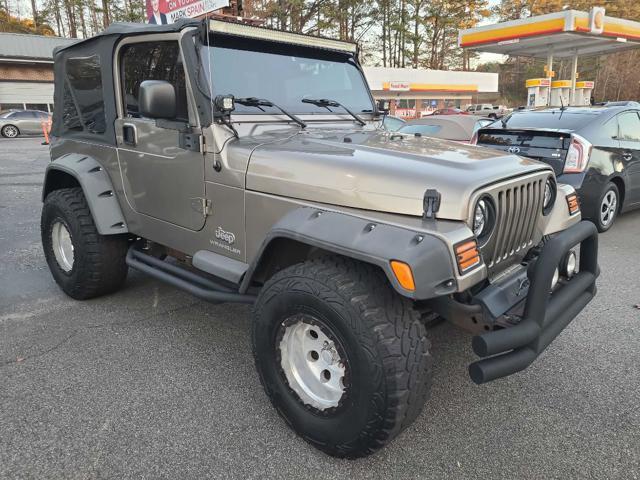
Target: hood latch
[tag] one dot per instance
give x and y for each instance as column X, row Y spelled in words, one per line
column 431, row 203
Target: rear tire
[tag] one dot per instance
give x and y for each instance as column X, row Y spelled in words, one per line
column 608, row 207
column 84, row 263
column 367, row 335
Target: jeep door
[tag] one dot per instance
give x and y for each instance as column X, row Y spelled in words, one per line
column 161, row 178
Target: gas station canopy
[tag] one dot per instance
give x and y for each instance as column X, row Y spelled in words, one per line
column 569, row 33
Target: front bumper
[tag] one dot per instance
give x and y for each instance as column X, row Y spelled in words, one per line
column 546, row 314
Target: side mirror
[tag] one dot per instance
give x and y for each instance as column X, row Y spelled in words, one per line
column 384, row 106
column 157, row 99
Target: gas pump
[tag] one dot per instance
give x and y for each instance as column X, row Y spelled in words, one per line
column 538, row 92
column 584, row 90
column 560, row 93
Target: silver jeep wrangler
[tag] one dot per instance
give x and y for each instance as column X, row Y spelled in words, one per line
column 243, row 164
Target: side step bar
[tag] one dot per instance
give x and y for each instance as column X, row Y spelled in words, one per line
column 186, row 280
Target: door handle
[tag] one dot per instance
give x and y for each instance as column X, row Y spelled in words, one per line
column 129, row 134
column 627, row 156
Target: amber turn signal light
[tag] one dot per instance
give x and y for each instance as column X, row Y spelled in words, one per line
column 573, row 203
column 467, row 255
column 403, row 274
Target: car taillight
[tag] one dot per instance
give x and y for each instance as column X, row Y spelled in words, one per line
column 474, row 139
column 577, row 155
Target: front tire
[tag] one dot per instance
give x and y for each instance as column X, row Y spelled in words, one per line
column 83, row 263
column 608, row 207
column 10, row 131
column 344, row 358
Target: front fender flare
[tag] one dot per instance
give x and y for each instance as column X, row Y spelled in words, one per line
column 371, row 242
column 96, row 186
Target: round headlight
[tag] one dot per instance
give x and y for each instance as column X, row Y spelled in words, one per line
column 549, row 197
column 480, row 218
column 483, row 219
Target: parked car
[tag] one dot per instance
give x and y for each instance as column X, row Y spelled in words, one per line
column 594, row 149
column 21, row 122
column 483, row 109
column 393, row 124
column 488, row 110
column 459, row 128
column 449, row 111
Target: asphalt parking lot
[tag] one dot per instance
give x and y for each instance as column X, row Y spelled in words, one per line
column 152, row 383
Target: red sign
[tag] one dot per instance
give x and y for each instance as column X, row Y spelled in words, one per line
column 161, row 12
column 399, row 86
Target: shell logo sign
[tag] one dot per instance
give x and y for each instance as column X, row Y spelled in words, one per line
column 596, row 20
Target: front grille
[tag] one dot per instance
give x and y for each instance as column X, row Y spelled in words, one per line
column 518, row 208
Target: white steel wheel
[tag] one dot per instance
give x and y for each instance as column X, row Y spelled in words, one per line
column 608, row 208
column 62, row 246
column 311, row 363
column 10, row 131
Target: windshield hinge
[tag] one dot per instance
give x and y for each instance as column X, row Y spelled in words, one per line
column 202, row 205
column 191, row 141
column 431, row 203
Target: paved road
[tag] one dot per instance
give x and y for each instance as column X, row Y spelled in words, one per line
column 151, row 383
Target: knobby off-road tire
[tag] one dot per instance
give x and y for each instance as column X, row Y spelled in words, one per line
column 378, row 337
column 95, row 264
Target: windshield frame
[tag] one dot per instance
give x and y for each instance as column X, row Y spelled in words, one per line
column 266, row 46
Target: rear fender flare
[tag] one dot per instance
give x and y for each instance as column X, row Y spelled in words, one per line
column 96, row 186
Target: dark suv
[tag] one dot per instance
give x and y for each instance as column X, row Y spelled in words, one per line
column 596, row 150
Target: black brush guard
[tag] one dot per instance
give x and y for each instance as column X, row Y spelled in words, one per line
column 546, row 314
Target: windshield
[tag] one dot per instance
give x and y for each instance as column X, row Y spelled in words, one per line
column 284, row 75
column 392, row 124
column 5, row 113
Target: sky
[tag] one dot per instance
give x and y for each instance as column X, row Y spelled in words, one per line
column 23, row 9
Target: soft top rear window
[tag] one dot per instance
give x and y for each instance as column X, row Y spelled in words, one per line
column 83, row 90
column 555, row 119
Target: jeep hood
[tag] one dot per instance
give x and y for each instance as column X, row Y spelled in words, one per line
column 375, row 170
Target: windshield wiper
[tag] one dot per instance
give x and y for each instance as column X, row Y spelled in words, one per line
column 323, row 102
column 261, row 102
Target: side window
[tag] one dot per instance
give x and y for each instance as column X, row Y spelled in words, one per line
column 22, row 116
column 84, row 89
column 629, row 126
column 152, row 61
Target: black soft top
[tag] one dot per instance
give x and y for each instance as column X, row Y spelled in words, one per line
column 121, row 29
column 103, row 45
